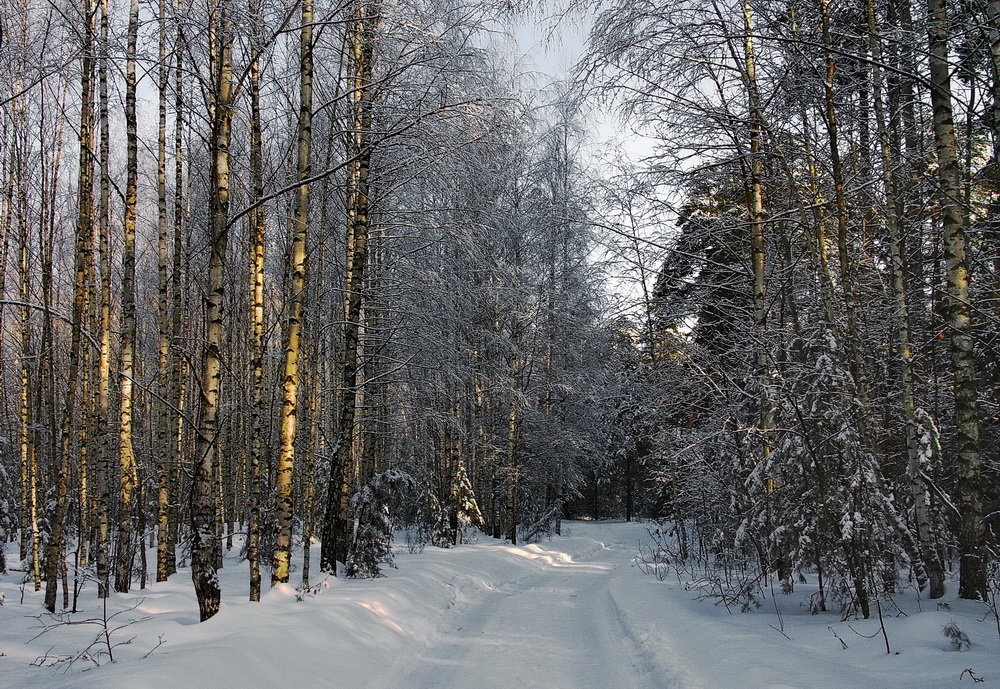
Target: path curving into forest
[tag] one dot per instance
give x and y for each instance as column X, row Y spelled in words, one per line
column 558, row 627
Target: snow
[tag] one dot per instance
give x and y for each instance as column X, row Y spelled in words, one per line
column 570, row 613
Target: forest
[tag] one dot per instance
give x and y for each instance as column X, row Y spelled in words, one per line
column 279, row 272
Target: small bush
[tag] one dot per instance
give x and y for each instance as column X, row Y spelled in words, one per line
column 957, row 639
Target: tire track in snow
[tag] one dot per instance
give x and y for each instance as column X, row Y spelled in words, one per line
column 558, row 627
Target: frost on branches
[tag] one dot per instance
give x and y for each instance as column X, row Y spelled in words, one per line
column 820, row 503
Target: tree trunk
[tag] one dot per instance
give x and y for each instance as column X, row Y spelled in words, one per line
column 969, row 495
column 27, row 446
column 204, row 544
column 513, row 470
column 297, row 287
column 163, row 419
column 177, row 365
column 103, row 373
column 840, row 199
column 125, row 549
column 47, row 379
column 336, row 531
column 258, row 344
column 932, row 571
column 83, row 249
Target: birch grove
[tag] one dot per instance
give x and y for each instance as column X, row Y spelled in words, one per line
column 292, row 279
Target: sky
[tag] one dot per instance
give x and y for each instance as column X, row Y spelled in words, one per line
column 549, row 49
column 549, row 43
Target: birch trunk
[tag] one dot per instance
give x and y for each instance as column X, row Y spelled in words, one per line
column 178, row 366
column 969, row 495
column 83, row 249
column 204, row 510
column 258, row 249
column 163, row 418
column 297, row 287
column 27, row 444
column 125, row 549
column 103, row 372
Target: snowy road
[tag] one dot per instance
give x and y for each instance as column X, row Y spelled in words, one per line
column 568, row 613
column 555, row 628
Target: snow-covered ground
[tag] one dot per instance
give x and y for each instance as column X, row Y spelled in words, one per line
column 569, row 613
